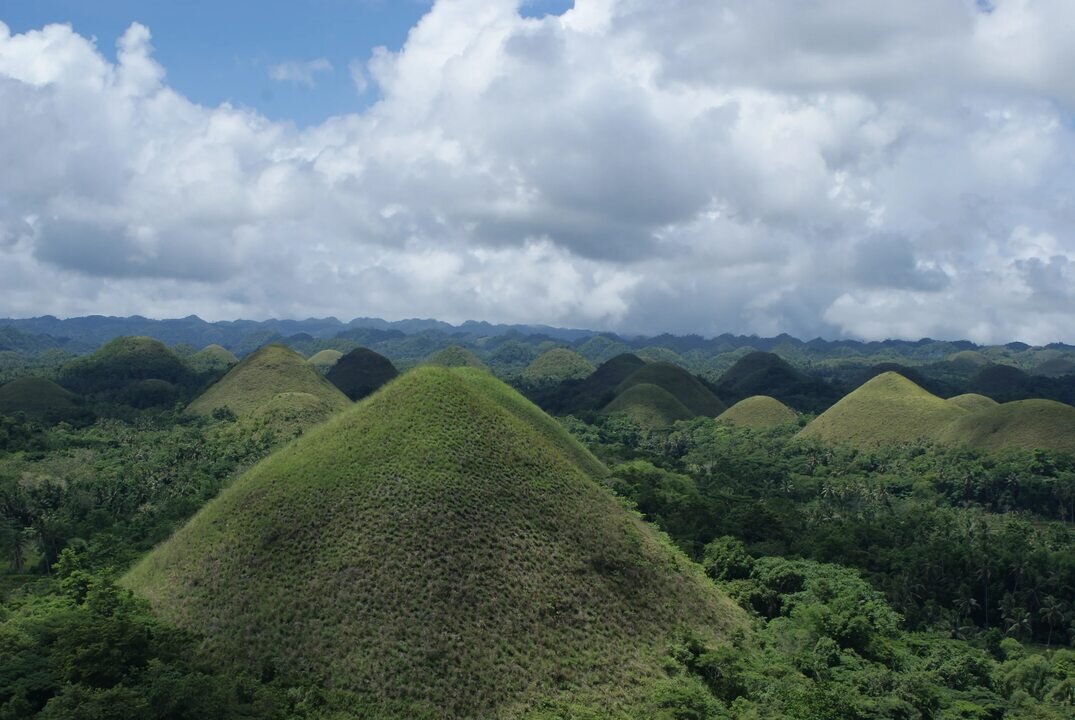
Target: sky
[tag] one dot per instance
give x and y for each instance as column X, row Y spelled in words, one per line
column 815, row 167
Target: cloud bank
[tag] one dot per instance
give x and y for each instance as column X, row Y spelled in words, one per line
column 890, row 170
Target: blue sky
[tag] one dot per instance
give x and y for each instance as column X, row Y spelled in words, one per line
column 219, row 51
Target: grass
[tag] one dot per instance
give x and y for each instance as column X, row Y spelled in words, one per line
column 557, row 365
column 759, row 411
column 325, row 359
column 683, row 386
column 650, row 406
column 262, row 375
column 455, row 356
column 361, row 372
column 1025, row 424
column 972, row 401
column 213, row 357
column 887, row 409
column 43, row 400
column 120, row 362
column 439, row 550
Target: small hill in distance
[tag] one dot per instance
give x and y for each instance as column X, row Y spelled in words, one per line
column 262, row 375
column 759, row 411
column 650, row 406
column 456, row 356
column 42, row 400
column 361, row 372
column 679, row 383
column 325, row 359
column 120, row 363
column 765, row 373
column 972, row 402
column 212, row 358
column 887, row 409
column 969, row 360
column 1023, row 424
column 1002, row 383
column 1056, row 367
column 440, row 550
column 557, row 365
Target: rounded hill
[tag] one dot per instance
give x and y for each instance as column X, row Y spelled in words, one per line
column 683, row 386
column 213, row 357
column 361, row 372
column 262, row 375
column 325, row 359
column 887, row 409
column 763, row 373
column 435, row 553
column 1025, row 424
column 42, row 400
column 650, row 406
column 121, row 362
column 557, row 365
column 972, row 401
column 455, row 356
column 759, row 411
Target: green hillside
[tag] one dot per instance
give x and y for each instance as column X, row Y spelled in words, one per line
column 434, row 553
column 972, row 401
column 592, row 392
column 763, row 373
column 42, row 400
column 557, row 365
column 759, row 411
column 361, row 372
column 1056, row 367
column 650, row 406
column 455, row 356
column 683, row 386
column 969, row 359
column 325, row 359
column 121, row 362
column 213, row 357
column 887, row 409
column 1024, row 424
column 262, row 375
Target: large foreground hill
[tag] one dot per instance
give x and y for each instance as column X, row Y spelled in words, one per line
column 444, row 549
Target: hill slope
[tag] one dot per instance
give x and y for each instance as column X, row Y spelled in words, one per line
column 683, row 386
column 262, row 375
column 361, row 372
column 650, row 406
column 213, row 357
column 325, row 359
column 122, row 362
column 758, row 411
column 972, row 401
column 887, row 409
column 1025, row 424
column 434, row 553
column 557, row 365
column 455, row 356
column 43, row 400
column 763, row 373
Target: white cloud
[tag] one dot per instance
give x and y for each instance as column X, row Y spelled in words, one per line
column 818, row 168
column 300, row 72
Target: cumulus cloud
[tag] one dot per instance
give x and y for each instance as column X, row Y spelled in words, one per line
column 300, row 72
column 903, row 169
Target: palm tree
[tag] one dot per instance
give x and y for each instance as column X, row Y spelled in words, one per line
column 1052, row 614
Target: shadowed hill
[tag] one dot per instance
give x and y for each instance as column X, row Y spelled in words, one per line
column 972, row 402
column 1002, row 383
column 764, row 373
column 434, row 552
column 683, row 386
column 325, row 359
column 557, row 365
column 1056, row 367
column 213, row 357
column 122, row 362
column 1024, row 424
column 42, row 400
column 650, row 406
column 455, row 356
column 759, row 411
column 262, row 375
column 887, row 409
column 590, row 393
column 361, row 372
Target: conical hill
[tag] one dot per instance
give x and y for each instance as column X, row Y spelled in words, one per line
column 759, row 411
column 213, row 357
column 972, row 402
column 253, row 383
column 435, row 552
column 325, row 359
column 43, row 400
column 557, row 365
column 679, row 383
column 650, row 406
column 1024, row 424
column 361, row 372
column 456, row 356
column 887, row 409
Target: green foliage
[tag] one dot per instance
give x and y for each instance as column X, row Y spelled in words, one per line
column 436, row 548
column 120, row 363
column 758, row 411
column 557, row 365
column 763, row 373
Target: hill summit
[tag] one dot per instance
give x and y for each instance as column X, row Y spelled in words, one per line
column 361, row 372
column 261, row 376
column 442, row 550
column 759, row 411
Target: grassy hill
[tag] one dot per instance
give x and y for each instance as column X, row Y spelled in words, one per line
column 683, row 386
column 759, row 411
column 969, row 359
column 361, row 372
column 42, row 400
column 887, row 409
column 1025, row 424
column 325, row 359
column 764, row 373
column 435, row 553
column 1002, row 383
column 650, row 406
column 592, row 392
column 557, row 365
column 262, row 375
column 1056, row 367
column 455, row 356
column 121, row 362
column 972, row 401
column 213, row 357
